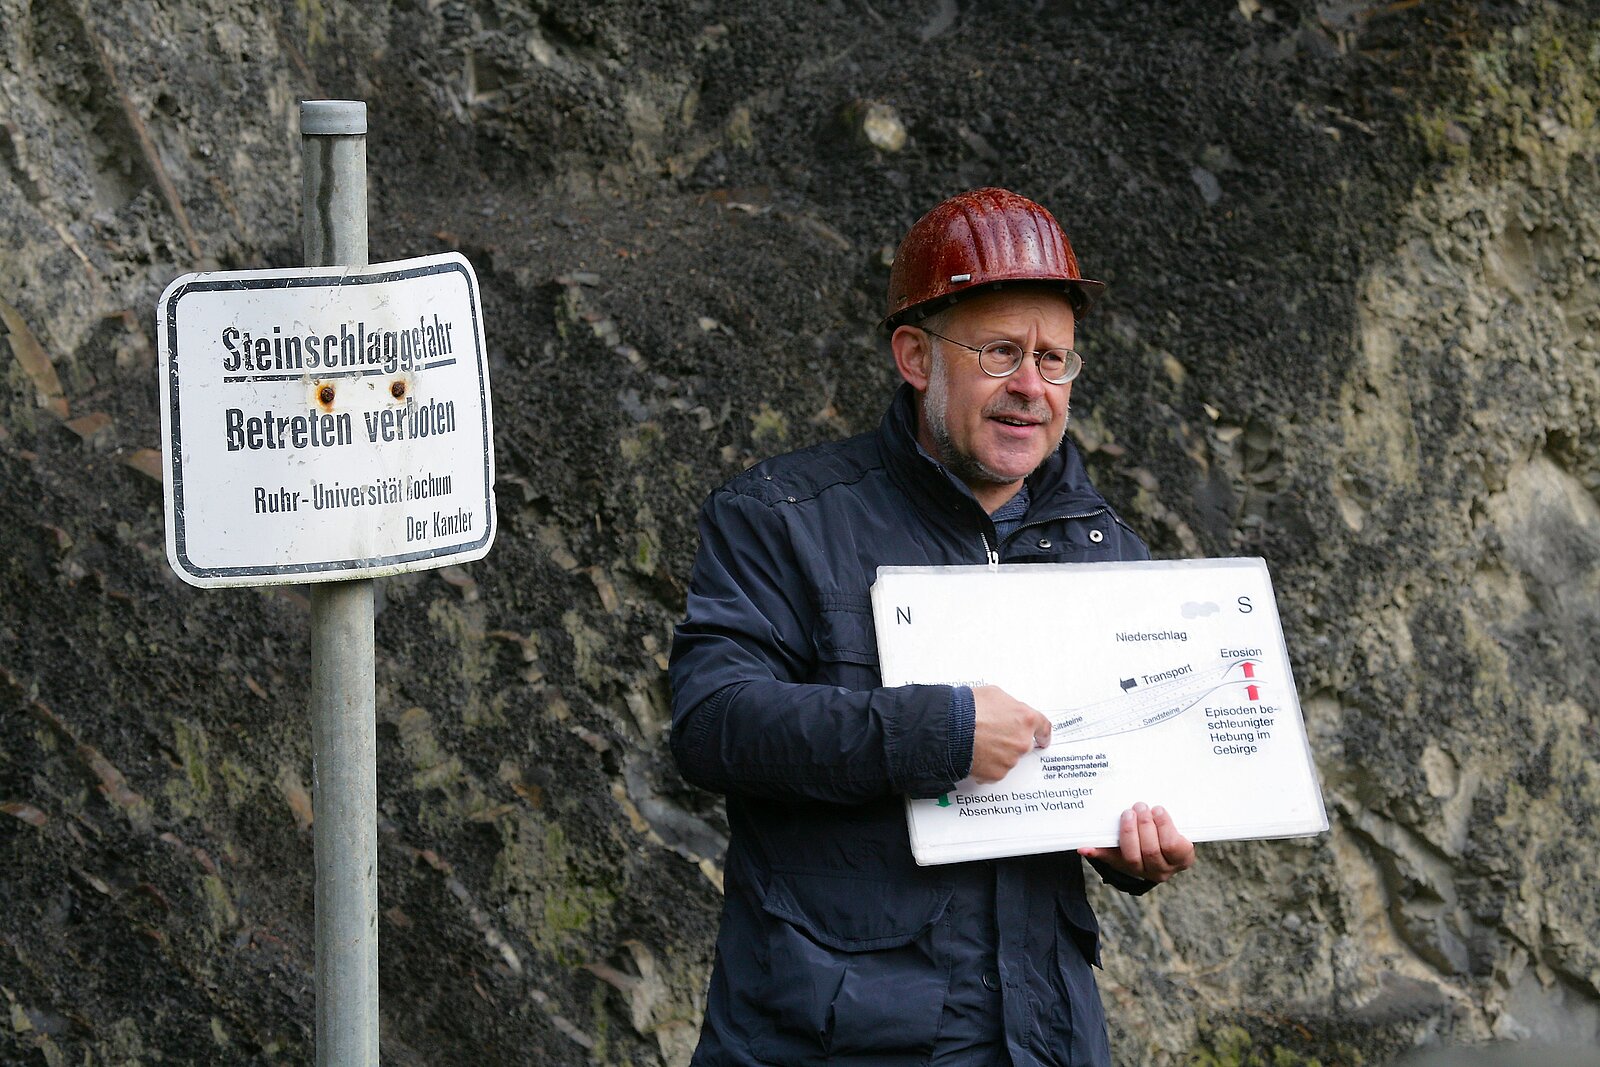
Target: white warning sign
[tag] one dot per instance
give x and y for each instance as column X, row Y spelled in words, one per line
column 324, row 423
column 1166, row 682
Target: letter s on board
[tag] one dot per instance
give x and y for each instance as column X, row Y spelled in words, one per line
column 1245, row 607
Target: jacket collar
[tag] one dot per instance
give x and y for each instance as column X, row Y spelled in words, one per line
column 1058, row 487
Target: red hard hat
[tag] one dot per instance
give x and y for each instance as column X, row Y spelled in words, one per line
column 976, row 241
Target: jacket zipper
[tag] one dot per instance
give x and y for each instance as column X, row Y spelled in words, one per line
column 990, row 554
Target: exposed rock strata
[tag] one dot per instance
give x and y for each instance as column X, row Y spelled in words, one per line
column 1351, row 327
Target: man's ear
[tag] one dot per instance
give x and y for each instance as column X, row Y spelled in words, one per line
column 913, row 356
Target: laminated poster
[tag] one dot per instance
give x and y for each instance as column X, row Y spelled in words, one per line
column 1164, row 681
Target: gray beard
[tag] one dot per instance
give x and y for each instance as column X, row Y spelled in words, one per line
column 936, row 410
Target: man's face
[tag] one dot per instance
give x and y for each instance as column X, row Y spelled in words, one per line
column 990, row 432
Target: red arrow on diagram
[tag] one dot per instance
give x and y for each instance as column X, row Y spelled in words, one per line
column 1249, row 669
column 1253, row 691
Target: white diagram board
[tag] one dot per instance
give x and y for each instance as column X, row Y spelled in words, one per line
column 1164, row 681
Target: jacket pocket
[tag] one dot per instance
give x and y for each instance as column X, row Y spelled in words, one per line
column 856, row 967
column 1079, row 925
column 846, row 644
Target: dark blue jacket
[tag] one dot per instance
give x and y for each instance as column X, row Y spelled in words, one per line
column 835, row 946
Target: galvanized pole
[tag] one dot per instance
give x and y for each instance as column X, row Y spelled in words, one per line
column 343, row 731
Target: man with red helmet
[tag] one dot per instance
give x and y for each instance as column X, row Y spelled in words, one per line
column 835, row 946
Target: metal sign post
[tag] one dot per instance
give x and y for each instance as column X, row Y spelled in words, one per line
column 343, row 728
column 330, row 424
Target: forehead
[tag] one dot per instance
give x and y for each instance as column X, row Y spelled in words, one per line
column 1014, row 311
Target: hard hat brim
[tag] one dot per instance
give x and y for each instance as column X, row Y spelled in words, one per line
column 1083, row 292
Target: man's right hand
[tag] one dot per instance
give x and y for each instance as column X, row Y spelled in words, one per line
column 1004, row 730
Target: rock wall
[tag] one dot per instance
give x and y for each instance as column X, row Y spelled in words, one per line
column 1352, row 251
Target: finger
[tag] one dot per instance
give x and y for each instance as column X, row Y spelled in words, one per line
column 1175, row 848
column 1149, row 841
column 1128, row 841
column 1022, row 744
column 1041, row 731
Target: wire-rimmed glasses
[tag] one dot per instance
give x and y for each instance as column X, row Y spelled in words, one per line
column 1000, row 359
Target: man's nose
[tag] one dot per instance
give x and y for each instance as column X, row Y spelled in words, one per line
column 1027, row 380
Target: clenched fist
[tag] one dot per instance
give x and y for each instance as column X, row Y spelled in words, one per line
column 1004, row 730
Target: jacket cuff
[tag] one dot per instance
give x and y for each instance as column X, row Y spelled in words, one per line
column 963, row 725
column 1127, row 883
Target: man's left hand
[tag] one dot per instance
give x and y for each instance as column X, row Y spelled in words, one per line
column 1149, row 846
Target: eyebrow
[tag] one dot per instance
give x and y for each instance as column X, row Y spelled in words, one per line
column 1020, row 343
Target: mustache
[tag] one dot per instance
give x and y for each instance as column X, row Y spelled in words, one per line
column 1018, row 409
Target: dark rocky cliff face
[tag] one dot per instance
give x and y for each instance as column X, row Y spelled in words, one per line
column 1353, row 253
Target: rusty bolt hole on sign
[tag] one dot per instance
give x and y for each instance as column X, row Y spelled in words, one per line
column 398, row 389
column 325, row 396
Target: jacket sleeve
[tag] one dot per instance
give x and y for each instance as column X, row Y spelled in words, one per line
column 745, row 720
